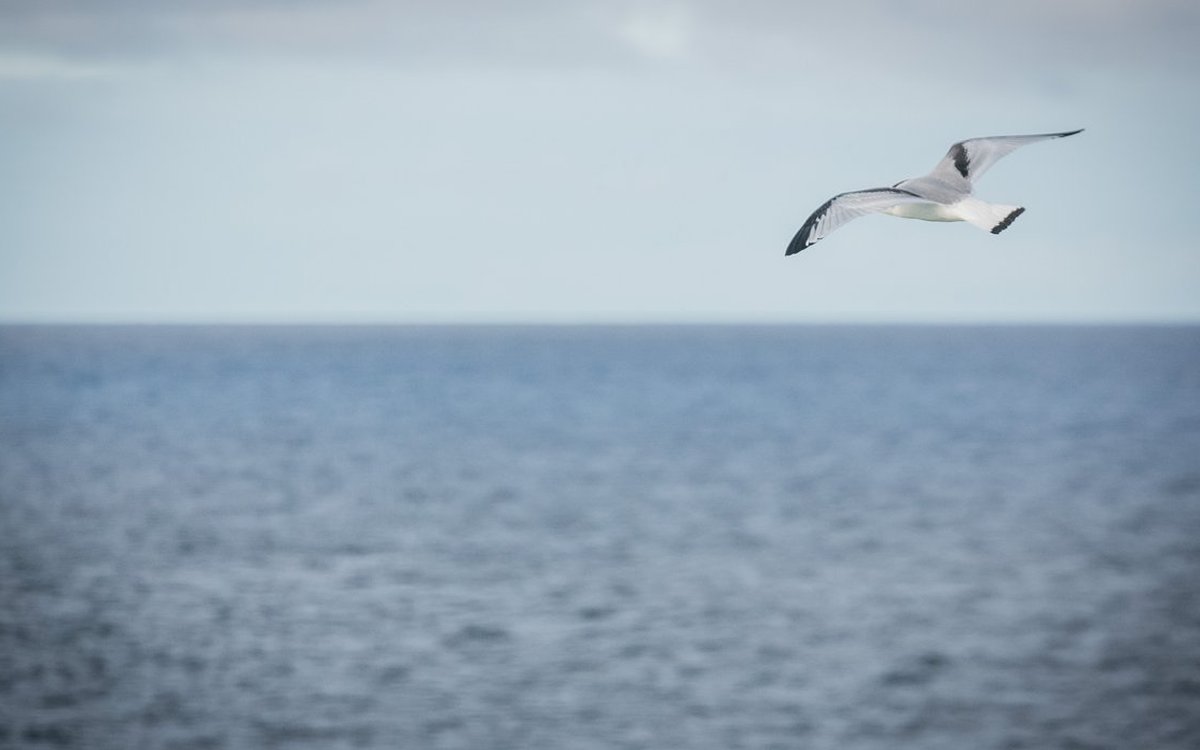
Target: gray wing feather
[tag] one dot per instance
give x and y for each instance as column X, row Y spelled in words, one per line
column 968, row 160
column 845, row 207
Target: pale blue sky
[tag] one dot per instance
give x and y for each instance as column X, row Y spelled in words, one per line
column 588, row 161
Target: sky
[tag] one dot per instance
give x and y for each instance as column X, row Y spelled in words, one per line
column 566, row 161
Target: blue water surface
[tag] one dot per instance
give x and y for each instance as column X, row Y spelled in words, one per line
column 600, row 537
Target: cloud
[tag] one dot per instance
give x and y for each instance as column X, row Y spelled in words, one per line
column 659, row 32
column 762, row 33
column 29, row 66
column 421, row 33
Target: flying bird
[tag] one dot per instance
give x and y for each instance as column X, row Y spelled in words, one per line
column 942, row 195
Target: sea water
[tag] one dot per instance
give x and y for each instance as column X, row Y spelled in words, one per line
column 600, row 537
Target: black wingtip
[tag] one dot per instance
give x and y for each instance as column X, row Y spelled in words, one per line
column 799, row 242
column 1007, row 220
column 1073, row 132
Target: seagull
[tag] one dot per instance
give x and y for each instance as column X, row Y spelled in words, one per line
column 942, row 195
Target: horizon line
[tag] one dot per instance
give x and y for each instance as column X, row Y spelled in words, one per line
column 588, row 321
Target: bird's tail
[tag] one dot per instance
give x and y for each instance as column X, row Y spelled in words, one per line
column 990, row 217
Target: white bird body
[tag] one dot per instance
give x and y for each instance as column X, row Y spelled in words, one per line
column 924, row 211
column 945, row 194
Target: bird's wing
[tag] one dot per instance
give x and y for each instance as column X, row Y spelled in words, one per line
column 847, row 206
column 969, row 159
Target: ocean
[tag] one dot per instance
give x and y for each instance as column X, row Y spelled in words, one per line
column 590, row 537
